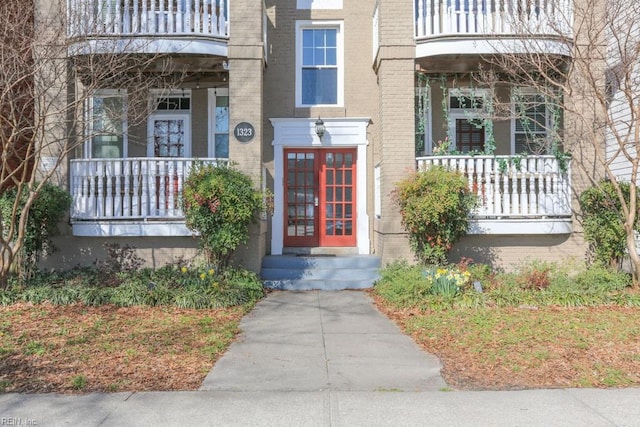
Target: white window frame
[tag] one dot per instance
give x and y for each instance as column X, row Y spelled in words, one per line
column 428, row 130
column 212, row 94
column 89, row 119
column 465, row 113
column 306, row 25
column 527, row 91
column 155, row 96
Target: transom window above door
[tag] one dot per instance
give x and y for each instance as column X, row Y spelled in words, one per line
column 319, row 64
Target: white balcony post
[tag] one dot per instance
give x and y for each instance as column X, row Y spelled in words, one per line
column 196, row 17
column 152, row 18
column 513, row 189
column 126, row 188
column 171, row 16
column 108, row 196
column 147, row 194
column 136, row 178
column 180, row 14
column 420, row 19
column 488, row 205
column 135, row 17
column 161, row 17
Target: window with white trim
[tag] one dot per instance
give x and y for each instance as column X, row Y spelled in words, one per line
column 532, row 122
column 319, row 63
column 106, row 131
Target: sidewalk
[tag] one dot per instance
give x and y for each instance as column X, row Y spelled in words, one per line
column 325, row 359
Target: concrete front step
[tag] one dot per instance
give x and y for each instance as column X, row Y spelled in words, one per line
column 290, row 272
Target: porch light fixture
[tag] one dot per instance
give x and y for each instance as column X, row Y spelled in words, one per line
column 320, row 128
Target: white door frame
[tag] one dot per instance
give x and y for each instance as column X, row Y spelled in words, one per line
column 186, row 116
column 300, row 133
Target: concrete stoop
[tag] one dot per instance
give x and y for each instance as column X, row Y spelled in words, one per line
column 322, row 272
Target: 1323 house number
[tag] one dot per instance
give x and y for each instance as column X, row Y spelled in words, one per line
column 244, row 132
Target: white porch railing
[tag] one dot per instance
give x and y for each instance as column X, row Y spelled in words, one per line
column 434, row 18
column 147, row 17
column 132, row 188
column 512, row 186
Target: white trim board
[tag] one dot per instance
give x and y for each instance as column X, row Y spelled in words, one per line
column 319, row 4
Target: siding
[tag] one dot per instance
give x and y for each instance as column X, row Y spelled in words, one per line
column 622, row 59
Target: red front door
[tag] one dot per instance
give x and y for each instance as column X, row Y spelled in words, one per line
column 320, row 190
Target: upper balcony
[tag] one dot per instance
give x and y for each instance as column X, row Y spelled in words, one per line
column 455, row 27
column 148, row 26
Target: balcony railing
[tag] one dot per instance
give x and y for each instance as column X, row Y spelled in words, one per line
column 148, row 18
column 129, row 189
column 436, row 18
column 512, row 186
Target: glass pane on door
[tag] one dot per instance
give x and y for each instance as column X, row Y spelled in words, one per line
column 301, row 191
column 338, row 198
column 168, row 137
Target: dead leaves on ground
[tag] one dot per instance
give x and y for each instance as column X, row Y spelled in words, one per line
column 46, row 348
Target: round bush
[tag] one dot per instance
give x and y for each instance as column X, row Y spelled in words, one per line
column 220, row 203
column 435, row 205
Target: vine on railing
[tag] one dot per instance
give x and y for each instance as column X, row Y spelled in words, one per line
column 538, row 112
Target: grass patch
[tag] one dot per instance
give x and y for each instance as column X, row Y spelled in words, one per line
column 511, row 348
column 79, row 382
column 547, row 327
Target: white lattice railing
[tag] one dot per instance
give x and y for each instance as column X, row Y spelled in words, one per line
column 132, row 188
column 434, row 18
column 512, row 186
column 147, row 17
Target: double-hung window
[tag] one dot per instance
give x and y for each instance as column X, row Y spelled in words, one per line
column 106, row 124
column 319, row 60
column 531, row 123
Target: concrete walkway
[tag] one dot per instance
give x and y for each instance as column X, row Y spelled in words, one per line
column 310, row 341
column 325, row 359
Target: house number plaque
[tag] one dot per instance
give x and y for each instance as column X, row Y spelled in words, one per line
column 244, row 132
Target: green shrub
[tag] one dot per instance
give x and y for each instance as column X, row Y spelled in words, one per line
column 220, row 203
column 603, row 222
column 95, row 296
column 48, row 209
column 171, row 285
column 403, row 285
column 36, row 294
column 533, row 283
column 64, row 295
column 132, row 292
column 7, row 296
column 599, row 278
column 435, row 205
column 192, row 298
